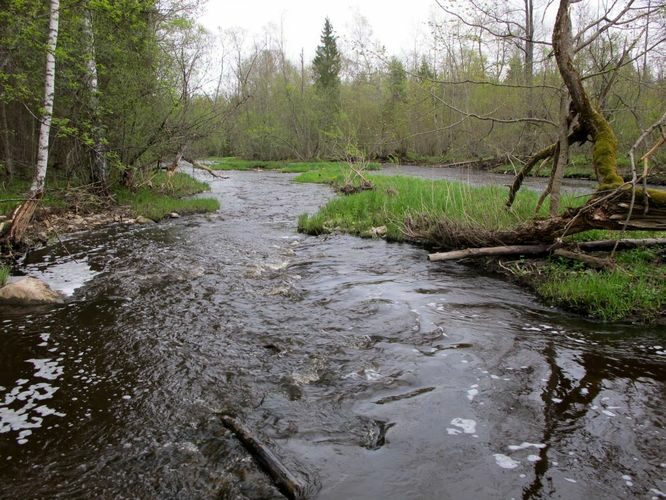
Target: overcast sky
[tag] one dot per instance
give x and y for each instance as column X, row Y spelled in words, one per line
column 395, row 23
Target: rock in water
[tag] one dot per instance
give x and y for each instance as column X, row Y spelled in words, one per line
column 144, row 220
column 29, row 291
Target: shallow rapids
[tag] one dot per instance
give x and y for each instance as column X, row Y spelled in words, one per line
column 371, row 372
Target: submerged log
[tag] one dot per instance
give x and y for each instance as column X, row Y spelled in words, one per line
column 288, row 484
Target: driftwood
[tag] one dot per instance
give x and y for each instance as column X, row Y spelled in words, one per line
column 288, row 484
column 621, row 244
column 546, row 249
column 197, row 165
column 491, row 252
column 589, row 260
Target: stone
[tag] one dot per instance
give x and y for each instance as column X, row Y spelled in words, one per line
column 143, row 220
column 174, row 215
column 29, row 291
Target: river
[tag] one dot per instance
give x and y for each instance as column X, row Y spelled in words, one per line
column 371, row 372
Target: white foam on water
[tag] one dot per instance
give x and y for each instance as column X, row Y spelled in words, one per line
column 472, row 393
column 65, row 277
column 46, row 368
column 505, row 462
column 466, row 425
column 570, row 480
column 20, row 410
column 608, row 413
column 525, row 445
column 533, row 458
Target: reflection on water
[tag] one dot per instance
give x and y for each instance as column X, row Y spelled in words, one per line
column 371, row 372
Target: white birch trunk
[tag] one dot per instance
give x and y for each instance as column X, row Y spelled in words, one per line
column 38, row 182
column 23, row 214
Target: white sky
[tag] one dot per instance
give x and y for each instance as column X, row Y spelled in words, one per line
column 396, row 24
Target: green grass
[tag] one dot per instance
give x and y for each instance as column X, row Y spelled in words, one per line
column 233, row 163
column 160, row 195
column 397, row 198
column 4, row 274
column 635, row 289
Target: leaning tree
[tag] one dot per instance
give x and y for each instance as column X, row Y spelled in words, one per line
column 616, row 204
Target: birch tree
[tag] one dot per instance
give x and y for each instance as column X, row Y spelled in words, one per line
column 23, row 214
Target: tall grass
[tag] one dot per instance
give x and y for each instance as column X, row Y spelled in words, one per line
column 160, row 195
column 397, row 199
column 5, row 272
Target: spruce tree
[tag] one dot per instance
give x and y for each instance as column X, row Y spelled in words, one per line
column 327, row 60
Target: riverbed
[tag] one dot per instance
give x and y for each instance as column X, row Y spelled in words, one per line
column 371, row 372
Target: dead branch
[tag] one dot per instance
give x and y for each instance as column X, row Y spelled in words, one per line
column 288, row 484
column 588, row 260
column 621, row 244
column 197, row 165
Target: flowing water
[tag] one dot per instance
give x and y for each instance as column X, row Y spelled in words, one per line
column 371, row 372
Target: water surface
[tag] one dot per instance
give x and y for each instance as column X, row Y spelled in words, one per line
column 372, row 372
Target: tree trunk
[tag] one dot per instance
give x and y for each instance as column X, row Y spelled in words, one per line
column 100, row 173
column 6, row 143
column 23, row 214
column 604, row 150
column 562, row 156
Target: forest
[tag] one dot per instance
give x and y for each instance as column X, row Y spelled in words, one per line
column 138, row 82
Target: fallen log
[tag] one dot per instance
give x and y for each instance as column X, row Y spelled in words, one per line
column 621, row 244
column 588, row 260
column 491, row 252
column 555, row 249
column 288, row 484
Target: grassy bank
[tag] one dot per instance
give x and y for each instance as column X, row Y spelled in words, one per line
column 155, row 197
column 159, row 195
column 634, row 290
column 234, row 163
column 397, row 198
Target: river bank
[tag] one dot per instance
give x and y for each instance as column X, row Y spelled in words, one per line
column 67, row 209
